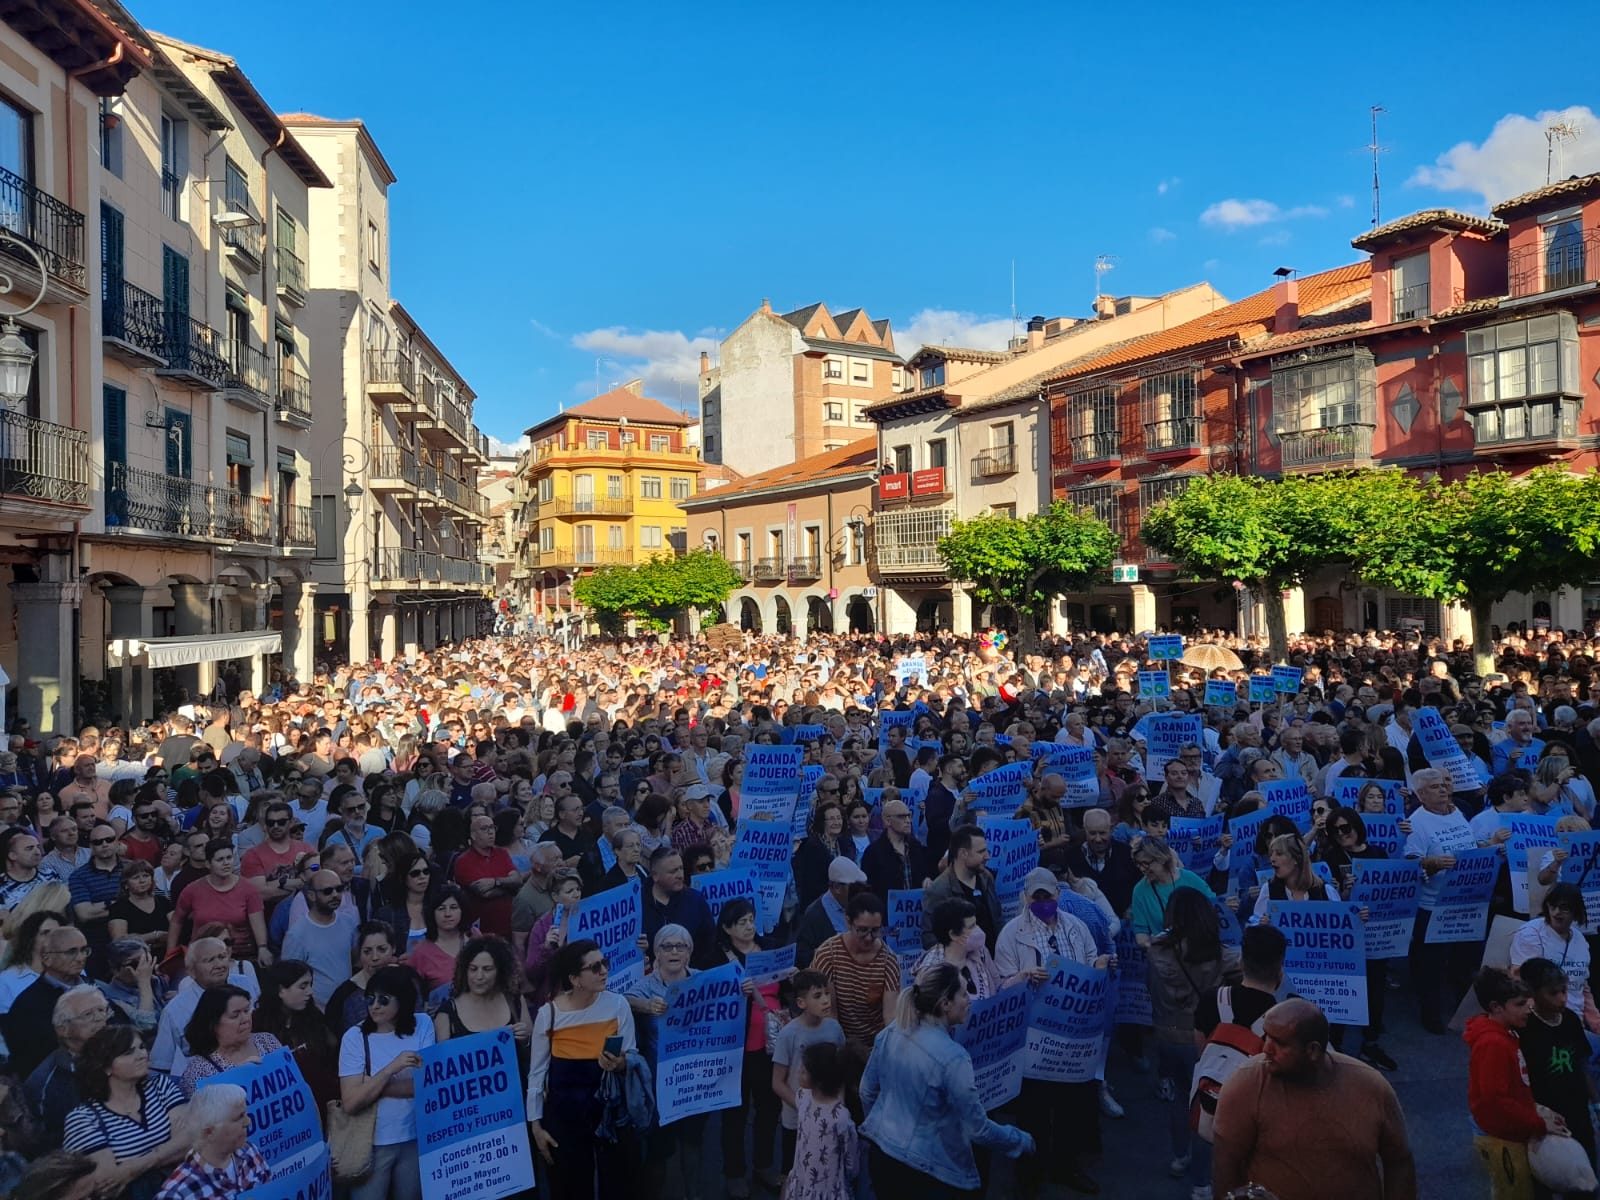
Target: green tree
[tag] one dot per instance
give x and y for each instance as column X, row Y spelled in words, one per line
column 1475, row 539
column 1023, row 562
column 657, row 591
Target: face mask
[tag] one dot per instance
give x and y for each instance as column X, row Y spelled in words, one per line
column 976, row 939
column 1045, row 910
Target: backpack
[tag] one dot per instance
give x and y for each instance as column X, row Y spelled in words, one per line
column 1228, row 1047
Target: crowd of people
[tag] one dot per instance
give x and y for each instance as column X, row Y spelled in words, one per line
column 386, row 857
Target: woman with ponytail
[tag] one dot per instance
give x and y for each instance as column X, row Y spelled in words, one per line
column 923, row 1112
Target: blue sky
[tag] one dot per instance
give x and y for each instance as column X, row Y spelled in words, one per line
column 625, row 182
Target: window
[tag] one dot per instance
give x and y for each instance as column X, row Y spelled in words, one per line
column 1537, row 357
column 115, row 402
column 650, row 537
column 325, row 520
column 660, row 443
column 174, row 164
column 547, row 539
column 1324, row 391
column 649, row 487
column 1169, row 403
column 1563, row 252
column 374, row 247
column 711, row 445
column 860, row 372
column 1099, row 500
column 547, row 489
column 1092, row 434
column 1002, row 435
column 235, row 188
column 832, row 368
column 937, row 450
column 179, row 444
column 859, row 415
column 599, row 439
column 680, row 488
column 239, row 463
column 678, row 539
column 1409, row 277
column 614, row 487
column 614, row 535
column 1003, row 510
column 902, row 460
column 1154, row 489
column 932, row 376
column 111, row 136
column 897, row 378
column 833, row 410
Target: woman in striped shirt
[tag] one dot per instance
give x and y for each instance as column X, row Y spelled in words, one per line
column 132, row 1119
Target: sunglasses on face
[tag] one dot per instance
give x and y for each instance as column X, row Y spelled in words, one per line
column 330, row 891
column 379, row 999
column 419, row 872
column 110, row 841
column 598, row 967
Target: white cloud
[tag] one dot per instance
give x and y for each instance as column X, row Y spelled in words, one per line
column 1511, row 160
column 1166, row 185
column 1160, row 234
column 668, row 360
column 1346, row 201
column 1231, row 215
column 499, row 449
column 947, row 327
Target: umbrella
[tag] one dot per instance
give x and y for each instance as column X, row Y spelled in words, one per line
column 1209, row 657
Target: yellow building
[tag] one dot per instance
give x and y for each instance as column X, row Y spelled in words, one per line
column 600, row 484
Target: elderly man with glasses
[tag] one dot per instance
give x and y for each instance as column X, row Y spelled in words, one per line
column 30, row 1025
column 52, row 1089
column 209, row 965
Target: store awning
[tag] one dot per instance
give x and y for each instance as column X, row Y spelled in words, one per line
column 187, row 651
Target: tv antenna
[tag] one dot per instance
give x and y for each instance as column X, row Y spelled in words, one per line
column 1554, row 134
column 1102, row 264
column 1376, row 149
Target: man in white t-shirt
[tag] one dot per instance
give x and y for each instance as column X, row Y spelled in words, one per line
column 1439, row 832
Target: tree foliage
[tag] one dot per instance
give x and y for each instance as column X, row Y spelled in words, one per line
column 658, row 590
column 1024, row 561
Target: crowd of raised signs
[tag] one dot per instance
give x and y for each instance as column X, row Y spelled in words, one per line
column 694, row 918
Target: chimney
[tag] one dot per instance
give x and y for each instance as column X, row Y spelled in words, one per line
column 705, row 362
column 1035, row 333
column 1105, row 307
column 1285, row 302
column 766, row 305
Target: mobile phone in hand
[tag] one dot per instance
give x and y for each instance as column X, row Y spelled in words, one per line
column 614, row 1044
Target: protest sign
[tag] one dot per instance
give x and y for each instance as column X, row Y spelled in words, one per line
column 719, row 887
column 1013, row 852
column 1001, row 791
column 1327, row 957
column 1288, row 798
column 1196, row 840
column 608, row 856
column 768, row 966
column 1286, row 680
column 284, row 1126
column 888, row 720
column 1582, row 867
column 798, row 735
column 701, row 1055
column 1155, row 685
column 769, row 788
column 800, row 823
column 1242, row 859
column 1066, row 1030
column 1166, row 647
column 904, row 926
column 1461, row 912
column 1531, row 835
column 1383, row 831
column 1263, row 689
column 1347, row 792
column 766, row 849
column 912, row 669
column 1441, row 749
column 1165, row 734
column 1221, row 693
column 1388, row 890
column 1227, row 922
column 1133, row 991
column 472, row 1140
column 995, row 1036
column 1075, row 765
column 615, row 920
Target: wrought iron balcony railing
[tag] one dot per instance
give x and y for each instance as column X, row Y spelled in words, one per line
column 193, row 349
column 43, row 461
column 296, row 526
column 997, row 460
column 1551, row 268
column 388, row 369
column 52, row 228
column 1344, row 445
column 291, row 272
column 138, row 500
column 1103, row 446
column 134, row 316
column 249, row 370
column 805, row 568
column 1411, row 303
column 769, row 568
column 294, row 394
column 1178, row 433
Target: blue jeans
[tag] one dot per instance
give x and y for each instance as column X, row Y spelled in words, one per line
column 1175, row 1061
column 395, row 1175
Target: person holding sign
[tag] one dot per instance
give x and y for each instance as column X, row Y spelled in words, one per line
column 1439, row 832
column 376, row 1060
column 958, row 940
column 223, row 1164
column 484, row 996
column 1556, row 934
column 1348, row 836
column 923, row 1111
column 736, row 939
column 673, row 1156
column 584, row 1032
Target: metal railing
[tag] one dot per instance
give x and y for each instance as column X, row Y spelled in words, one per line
column 390, row 367
column 152, row 501
column 43, row 461
column 249, row 369
column 291, row 270
column 566, row 556
column 249, row 239
column 744, row 567
column 769, row 568
column 450, row 488
column 805, row 568
column 132, row 315
column 294, row 394
column 52, row 228
column 1103, row 446
column 429, row 481
column 171, row 192
column 193, row 348
column 394, row 562
column 249, row 519
column 1411, row 303
column 1550, row 268
column 391, row 462
column 997, row 460
column 602, row 506
column 454, row 418
column 1345, row 445
column 1178, row 433
column 297, row 526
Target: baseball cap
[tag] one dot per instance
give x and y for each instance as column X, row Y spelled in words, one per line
column 843, row 870
column 1040, row 879
column 697, row 791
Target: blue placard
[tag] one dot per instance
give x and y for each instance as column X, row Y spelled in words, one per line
column 1242, row 860
column 1461, row 912
column 1075, row 765
column 1348, row 794
column 284, row 1126
column 1288, row 798
column 769, row 788
column 1530, row 832
column 766, row 849
column 1133, row 989
column 912, row 669
column 1389, row 891
column 1155, row 685
column 1327, row 957
column 608, row 856
column 1582, row 867
column 769, row 966
column 796, row 735
column 1383, row 831
column 1165, row 647
column 1195, row 839
column 701, row 1054
column 1263, row 689
column 904, row 926
column 1440, row 748
column 1221, row 693
column 995, row 1036
column 1165, row 735
column 615, row 920
column 1286, row 680
column 886, row 720
column 472, row 1140
column 1013, row 852
column 1227, row 922
column 730, row 883
column 1001, row 791
column 1066, row 1030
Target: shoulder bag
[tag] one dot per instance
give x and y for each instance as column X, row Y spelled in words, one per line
column 350, row 1135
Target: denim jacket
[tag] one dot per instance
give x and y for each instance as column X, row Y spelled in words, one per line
column 923, row 1108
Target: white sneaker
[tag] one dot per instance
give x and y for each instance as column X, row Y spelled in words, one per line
column 1178, row 1167
column 1108, row 1103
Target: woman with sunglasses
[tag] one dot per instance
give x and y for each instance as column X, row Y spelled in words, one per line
column 376, row 1061
column 374, row 950
column 1346, row 843
column 434, row 958
column 408, row 892
column 569, row 1054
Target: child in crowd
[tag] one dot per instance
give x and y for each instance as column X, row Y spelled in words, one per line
column 812, row 1003
column 828, row 1153
column 1556, row 1050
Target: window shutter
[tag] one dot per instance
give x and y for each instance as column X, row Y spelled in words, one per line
column 115, row 402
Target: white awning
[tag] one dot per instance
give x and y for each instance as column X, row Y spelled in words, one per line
column 187, row 651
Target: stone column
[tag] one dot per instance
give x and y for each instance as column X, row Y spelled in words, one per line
column 899, row 616
column 194, row 617
column 257, row 600
column 1144, row 608
column 960, row 611
column 427, row 617
column 133, row 616
column 46, row 685
column 388, row 630
column 300, row 631
column 1294, row 611
column 408, row 630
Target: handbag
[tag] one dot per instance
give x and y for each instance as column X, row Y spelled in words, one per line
column 350, row 1144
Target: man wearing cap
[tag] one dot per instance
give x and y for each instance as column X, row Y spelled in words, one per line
column 966, row 878
column 825, row 916
column 896, row 861
column 694, row 827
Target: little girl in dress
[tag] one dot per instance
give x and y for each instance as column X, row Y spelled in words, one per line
column 827, row 1155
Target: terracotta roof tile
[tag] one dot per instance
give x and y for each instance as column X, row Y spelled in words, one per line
column 1577, row 185
column 966, row 354
column 620, row 402
column 1467, row 308
column 847, row 460
column 1428, row 218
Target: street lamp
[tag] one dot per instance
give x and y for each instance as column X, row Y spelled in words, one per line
column 16, row 356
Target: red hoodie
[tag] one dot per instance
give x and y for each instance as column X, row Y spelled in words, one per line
column 1498, row 1093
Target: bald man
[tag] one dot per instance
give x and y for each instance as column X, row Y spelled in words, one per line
column 1105, row 861
column 327, row 936
column 1305, row 1121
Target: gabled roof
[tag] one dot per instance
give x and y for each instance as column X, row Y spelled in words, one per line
column 1344, row 321
column 1232, row 324
column 80, row 37
column 858, row 458
column 618, row 404
column 801, row 317
column 1576, row 187
column 959, row 354
column 363, row 136
column 1442, row 219
column 165, row 72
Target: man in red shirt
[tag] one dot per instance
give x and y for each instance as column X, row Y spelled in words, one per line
column 489, row 878
column 143, row 840
column 270, row 866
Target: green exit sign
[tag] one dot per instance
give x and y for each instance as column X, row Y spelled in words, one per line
column 1124, row 573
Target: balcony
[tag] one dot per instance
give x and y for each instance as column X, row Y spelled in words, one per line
column 131, row 324
column 195, row 354
column 140, row 501
column 1532, row 425
column 392, row 470
column 805, row 568
column 768, row 570
column 297, row 529
column 291, row 276
column 1176, row 435
column 294, row 399
column 1104, row 446
column 566, row 556
column 908, row 539
column 391, row 377
column 249, row 519
column 396, row 564
column 54, row 230
column 42, row 462
column 997, row 460
column 1534, row 270
column 1411, row 303
column 249, row 377
column 1325, row 449
column 245, row 246
column 744, row 567
column 596, row 506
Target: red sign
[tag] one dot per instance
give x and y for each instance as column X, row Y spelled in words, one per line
column 893, row 487
column 928, row 483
